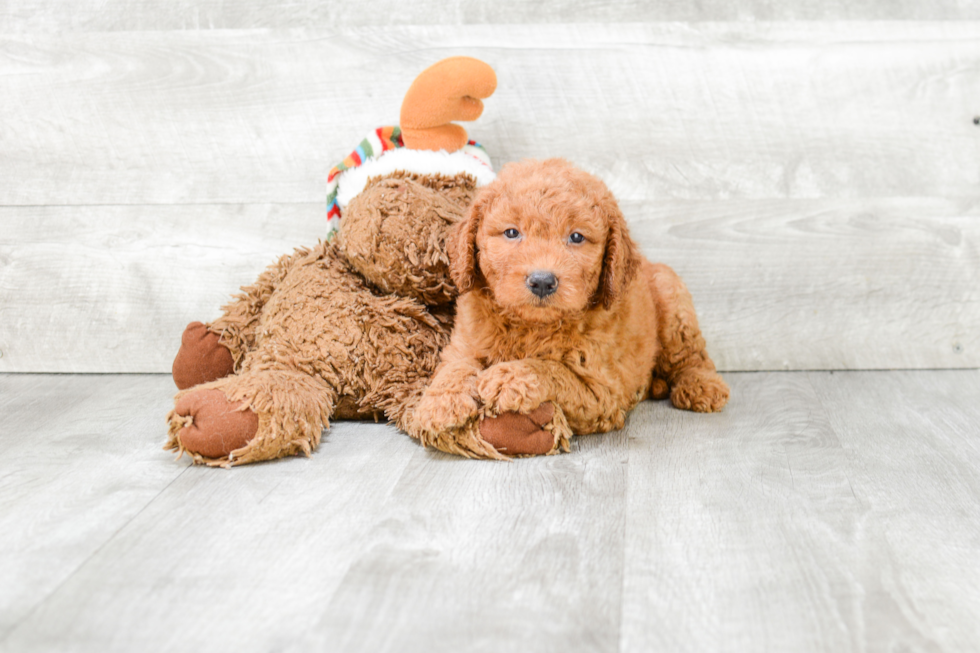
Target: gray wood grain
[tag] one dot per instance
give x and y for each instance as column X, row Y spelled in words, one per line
column 819, row 512
column 913, row 450
column 778, row 284
column 373, row 544
column 692, row 111
column 80, row 457
column 102, row 15
column 816, row 183
column 736, row 523
column 111, row 288
column 491, row 558
column 826, row 284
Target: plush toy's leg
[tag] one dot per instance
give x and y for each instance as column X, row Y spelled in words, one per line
column 212, row 426
column 683, row 367
column 211, row 351
column 288, row 410
column 240, row 317
column 201, row 358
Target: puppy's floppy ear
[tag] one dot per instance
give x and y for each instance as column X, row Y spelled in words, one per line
column 621, row 258
column 461, row 242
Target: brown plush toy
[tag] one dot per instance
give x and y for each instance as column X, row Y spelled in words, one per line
column 352, row 328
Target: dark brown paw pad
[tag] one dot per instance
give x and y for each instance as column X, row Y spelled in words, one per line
column 519, row 435
column 202, row 357
column 217, row 426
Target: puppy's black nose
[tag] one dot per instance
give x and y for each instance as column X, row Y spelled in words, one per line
column 541, row 283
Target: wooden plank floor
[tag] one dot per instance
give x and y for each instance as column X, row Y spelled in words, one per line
column 819, row 512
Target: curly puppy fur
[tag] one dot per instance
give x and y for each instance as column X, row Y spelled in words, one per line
column 558, row 304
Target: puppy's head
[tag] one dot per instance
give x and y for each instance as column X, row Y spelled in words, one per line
column 546, row 240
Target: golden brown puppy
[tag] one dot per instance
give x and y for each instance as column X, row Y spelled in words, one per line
column 557, row 304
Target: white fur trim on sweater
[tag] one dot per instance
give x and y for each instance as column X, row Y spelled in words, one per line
column 423, row 162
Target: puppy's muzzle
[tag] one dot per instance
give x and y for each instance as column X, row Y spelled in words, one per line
column 541, row 283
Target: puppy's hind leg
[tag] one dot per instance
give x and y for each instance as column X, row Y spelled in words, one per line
column 683, row 368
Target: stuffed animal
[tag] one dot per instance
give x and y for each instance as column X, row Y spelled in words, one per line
column 352, row 328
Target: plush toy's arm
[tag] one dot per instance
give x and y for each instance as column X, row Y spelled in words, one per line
column 211, row 351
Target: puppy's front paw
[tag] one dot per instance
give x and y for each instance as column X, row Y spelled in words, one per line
column 510, row 387
column 438, row 412
column 699, row 390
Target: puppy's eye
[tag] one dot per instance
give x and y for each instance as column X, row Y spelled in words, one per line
column 576, row 238
column 512, row 234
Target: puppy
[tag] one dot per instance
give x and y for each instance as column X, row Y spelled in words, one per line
column 558, row 305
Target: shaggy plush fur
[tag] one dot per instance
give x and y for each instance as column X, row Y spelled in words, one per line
column 614, row 330
column 348, row 329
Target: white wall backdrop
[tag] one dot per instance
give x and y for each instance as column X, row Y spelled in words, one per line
column 816, row 181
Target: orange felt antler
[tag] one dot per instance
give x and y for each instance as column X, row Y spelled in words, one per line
column 445, row 91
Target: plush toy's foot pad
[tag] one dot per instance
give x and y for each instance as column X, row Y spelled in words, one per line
column 217, row 426
column 516, row 435
column 202, row 357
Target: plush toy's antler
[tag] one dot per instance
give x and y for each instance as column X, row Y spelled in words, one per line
column 448, row 90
